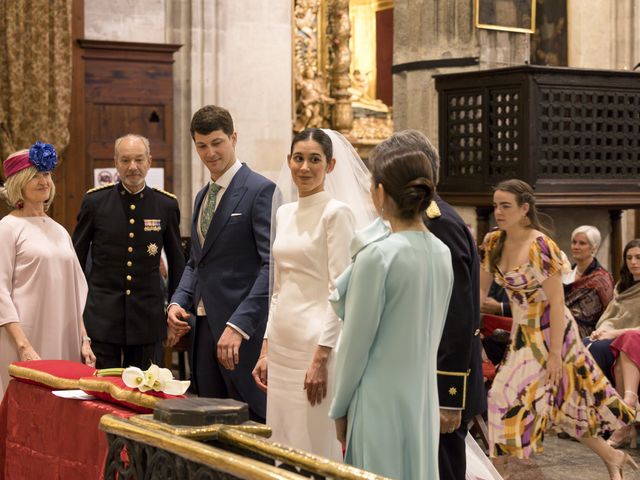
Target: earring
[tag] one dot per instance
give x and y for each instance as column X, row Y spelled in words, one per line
column 19, row 204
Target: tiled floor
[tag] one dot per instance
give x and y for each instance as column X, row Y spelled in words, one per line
column 569, row 460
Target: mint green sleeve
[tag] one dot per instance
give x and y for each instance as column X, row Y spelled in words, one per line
column 364, row 303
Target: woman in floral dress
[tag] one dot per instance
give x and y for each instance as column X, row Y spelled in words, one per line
column 548, row 376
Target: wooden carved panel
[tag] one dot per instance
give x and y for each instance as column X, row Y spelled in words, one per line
column 589, row 132
column 128, row 89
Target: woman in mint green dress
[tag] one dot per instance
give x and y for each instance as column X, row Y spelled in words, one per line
column 393, row 300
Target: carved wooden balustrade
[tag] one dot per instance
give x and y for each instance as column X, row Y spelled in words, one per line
column 573, row 134
column 153, row 446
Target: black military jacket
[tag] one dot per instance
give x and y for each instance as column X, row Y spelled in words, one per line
column 460, row 383
column 124, row 234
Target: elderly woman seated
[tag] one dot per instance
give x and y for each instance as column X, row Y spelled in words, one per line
column 588, row 288
column 615, row 344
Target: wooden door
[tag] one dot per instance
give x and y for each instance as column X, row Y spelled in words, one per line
column 127, row 88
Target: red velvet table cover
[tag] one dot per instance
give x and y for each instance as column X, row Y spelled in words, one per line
column 44, row 436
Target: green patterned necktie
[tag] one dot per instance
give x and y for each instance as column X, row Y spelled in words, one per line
column 209, row 208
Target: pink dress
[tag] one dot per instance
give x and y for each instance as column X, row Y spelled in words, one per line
column 41, row 286
column 629, row 343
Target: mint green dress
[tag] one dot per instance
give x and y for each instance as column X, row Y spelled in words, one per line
column 393, row 300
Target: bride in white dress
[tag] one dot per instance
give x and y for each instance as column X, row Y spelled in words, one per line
column 311, row 237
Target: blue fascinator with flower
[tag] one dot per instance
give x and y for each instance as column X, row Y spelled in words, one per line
column 43, row 156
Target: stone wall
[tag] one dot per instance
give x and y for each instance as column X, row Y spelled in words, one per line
column 602, row 34
column 125, row 20
column 236, row 54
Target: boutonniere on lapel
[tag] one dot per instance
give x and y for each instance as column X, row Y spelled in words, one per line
column 152, row 249
column 151, row 225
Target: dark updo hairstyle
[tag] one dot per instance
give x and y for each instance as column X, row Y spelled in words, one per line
column 406, row 175
column 524, row 194
column 626, row 278
column 318, row 136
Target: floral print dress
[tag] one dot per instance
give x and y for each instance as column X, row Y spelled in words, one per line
column 521, row 402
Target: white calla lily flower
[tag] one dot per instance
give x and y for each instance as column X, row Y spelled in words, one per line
column 151, row 377
column 133, row 377
column 154, row 378
column 176, row 387
column 165, row 375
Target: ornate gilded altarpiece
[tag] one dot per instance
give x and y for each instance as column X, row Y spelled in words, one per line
column 331, row 90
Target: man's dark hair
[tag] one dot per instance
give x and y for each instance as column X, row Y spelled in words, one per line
column 210, row 118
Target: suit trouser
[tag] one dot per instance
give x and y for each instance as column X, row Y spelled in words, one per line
column 209, row 379
column 111, row 355
column 452, row 454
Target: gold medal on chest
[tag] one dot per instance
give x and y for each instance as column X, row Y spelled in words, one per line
column 152, row 249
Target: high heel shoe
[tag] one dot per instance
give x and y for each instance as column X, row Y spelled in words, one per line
column 616, row 470
column 623, row 436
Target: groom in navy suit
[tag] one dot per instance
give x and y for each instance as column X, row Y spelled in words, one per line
column 226, row 281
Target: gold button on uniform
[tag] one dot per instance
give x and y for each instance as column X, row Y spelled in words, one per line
column 132, row 221
column 131, row 234
column 132, row 206
column 128, row 292
column 130, row 249
column 128, row 278
column 129, row 263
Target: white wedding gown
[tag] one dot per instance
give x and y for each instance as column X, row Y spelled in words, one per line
column 479, row 467
column 310, row 250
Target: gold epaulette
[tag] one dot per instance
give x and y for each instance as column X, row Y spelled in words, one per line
column 433, row 211
column 168, row 194
column 101, row 187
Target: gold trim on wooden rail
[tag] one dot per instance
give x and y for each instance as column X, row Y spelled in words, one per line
column 300, row 458
column 43, row 378
column 199, row 433
column 215, row 458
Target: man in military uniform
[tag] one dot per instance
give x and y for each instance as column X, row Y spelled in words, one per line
column 124, row 227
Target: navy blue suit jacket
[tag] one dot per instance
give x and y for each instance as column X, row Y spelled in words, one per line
column 230, row 272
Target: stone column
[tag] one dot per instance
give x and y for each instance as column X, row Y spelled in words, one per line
column 191, row 24
column 339, row 32
column 236, row 55
column 616, row 243
column 604, row 33
column 253, row 78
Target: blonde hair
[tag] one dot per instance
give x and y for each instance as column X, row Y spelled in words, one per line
column 13, row 186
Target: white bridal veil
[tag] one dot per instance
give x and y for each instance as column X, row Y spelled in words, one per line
column 349, row 183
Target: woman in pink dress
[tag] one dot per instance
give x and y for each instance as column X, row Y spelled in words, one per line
column 42, row 287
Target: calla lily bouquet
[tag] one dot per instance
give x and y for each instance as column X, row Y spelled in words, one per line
column 154, row 378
